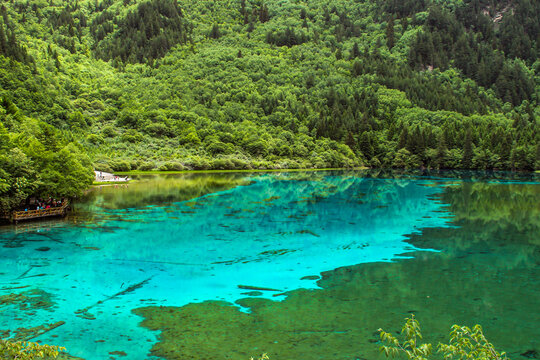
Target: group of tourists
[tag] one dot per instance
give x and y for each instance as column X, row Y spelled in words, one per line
column 41, row 204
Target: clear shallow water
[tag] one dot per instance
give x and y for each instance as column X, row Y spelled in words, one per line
column 268, row 231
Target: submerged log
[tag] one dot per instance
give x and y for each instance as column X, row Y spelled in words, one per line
column 29, row 334
column 14, row 287
column 84, row 312
column 256, row 288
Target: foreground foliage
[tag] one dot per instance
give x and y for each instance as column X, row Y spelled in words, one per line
column 22, row 350
column 465, row 344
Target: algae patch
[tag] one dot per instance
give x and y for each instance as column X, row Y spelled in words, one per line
column 28, row 300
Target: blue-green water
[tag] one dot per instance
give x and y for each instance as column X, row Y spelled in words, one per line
column 154, row 244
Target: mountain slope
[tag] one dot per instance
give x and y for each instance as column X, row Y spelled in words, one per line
column 248, row 84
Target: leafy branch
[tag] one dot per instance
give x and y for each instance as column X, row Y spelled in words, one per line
column 23, row 350
column 465, row 344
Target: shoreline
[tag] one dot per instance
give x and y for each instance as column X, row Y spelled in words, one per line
column 153, row 172
column 109, row 183
column 358, row 168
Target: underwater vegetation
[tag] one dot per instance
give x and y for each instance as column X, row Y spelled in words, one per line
column 486, row 273
column 308, row 265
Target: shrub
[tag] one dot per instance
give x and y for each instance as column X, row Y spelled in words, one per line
column 240, row 164
column 464, row 344
column 289, row 164
column 158, row 130
column 103, row 167
column 257, row 147
column 405, row 160
column 374, row 162
column 132, row 136
column 263, row 357
column 190, row 139
column 27, row 350
column 134, row 164
column 222, row 164
column 95, row 139
column 109, row 131
column 129, row 119
column 171, row 166
column 199, row 163
column 147, row 166
column 217, row 147
column 120, row 165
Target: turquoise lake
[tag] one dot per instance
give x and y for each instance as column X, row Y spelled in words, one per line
column 340, row 252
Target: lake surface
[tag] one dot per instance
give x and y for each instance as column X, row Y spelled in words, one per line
column 299, row 265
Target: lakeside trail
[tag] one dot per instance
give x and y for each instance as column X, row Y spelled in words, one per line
column 104, row 177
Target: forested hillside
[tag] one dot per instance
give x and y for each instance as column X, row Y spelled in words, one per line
column 239, row 84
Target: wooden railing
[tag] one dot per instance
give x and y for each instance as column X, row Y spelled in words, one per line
column 35, row 214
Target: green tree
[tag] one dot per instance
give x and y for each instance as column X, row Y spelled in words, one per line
column 465, row 344
column 365, row 145
column 18, row 178
column 214, row 32
column 69, row 174
column 466, row 162
column 390, row 36
column 27, row 350
column 442, row 151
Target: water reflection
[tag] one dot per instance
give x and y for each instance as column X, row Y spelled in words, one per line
column 488, row 272
column 248, row 239
column 147, row 190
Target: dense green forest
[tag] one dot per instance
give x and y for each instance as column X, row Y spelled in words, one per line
column 243, row 84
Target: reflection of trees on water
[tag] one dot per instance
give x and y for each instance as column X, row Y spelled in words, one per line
column 499, row 292
column 367, row 198
column 160, row 190
column 499, row 219
column 497, row 214
column 342, row 192
column 514, row 206
column 487, row 273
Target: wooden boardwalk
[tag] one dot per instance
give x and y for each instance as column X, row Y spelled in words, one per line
column 17, row 216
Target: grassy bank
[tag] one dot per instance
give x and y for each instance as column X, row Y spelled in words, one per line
column 105, row 183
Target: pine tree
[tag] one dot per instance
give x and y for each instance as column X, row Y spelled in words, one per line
column 3, row 44
column 365, row 145
column 442, row 149
column 466, row 162
column 416, row 143
column 350, row 141
column 214, row 33
column 263, row 14
column 243, row 7
column 403, row 138
column 355, row 52
column 404, row 24
column 537, row 162
column 390, row 40
column 57, row 62
column 357, row 68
